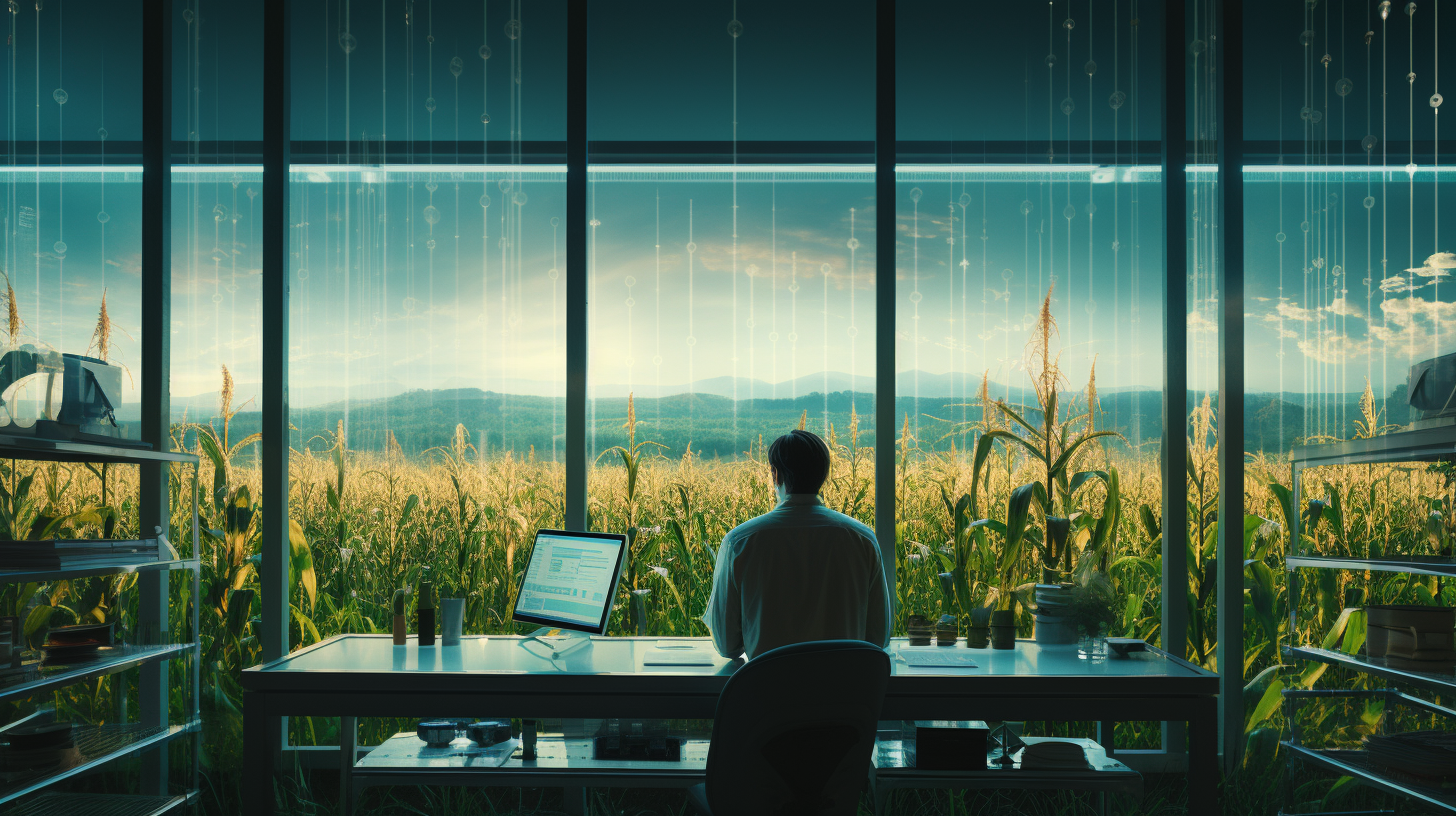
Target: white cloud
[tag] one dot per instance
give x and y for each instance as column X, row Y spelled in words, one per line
column 1341, row 306
column 1289, row 311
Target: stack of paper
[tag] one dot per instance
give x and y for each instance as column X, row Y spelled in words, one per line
column 1053, row 755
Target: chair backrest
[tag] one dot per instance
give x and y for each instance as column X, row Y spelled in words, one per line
column 795, row 728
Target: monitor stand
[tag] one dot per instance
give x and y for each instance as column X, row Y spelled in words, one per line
column 559, row 641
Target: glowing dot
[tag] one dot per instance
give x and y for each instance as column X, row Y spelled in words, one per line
column 1369, row 202
column 1280, row 237
column 186, row 14
column 1410, row 9
column 1090, row 67
column 1091, row 208
column 691, row 340
column 60, row 247
column 825, row 268
column 432, row 215
column 1369, row 142
column 1068, row 106
column 457, row 66
column 1410, row 170
column 1306, row 112
column 916, row 297
column 793, row 337
column 347, row 42
column 1117, row 100
column 555, row 222
column 1069, row 24
column 1091, row 307
column 1116, row 245
column 430, row 39
column 692, row 246
column 773, row 337
column 1051, row 60
column 301, row 274
column 1306, row 37
column 1435, row 100
column 429, row 185
column 513, row 29
column 794, row 287
column 1069, row 212
column 631, row 302
column 1006, row 274
column 1384, row 9
column 60, row 96
column 430, row 244
column 1327, row 59
column 217, row 297
column 409, row 304
column 1026, row 208
column 430, row 104
column 852, row 331
column 1344, row 86
column 504, row 185
column 1315, row 117
column 749, row 323
column 485, row 52
column 219, row 212
column 101, row 132
column 103, row 216
column 1411, row 77
column 14, row 7
column 657, row 361
column 853, row 244
column 519, row 198
column 1197, row 47
column 552, row 274
column 630, row 361
column 485, row 118
column 1337, row 270
column 735, row 29
column 595, row 223
column 915, row 194
column 252, row 193
column 485, row 200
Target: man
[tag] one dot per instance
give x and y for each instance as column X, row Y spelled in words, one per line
column 801, row 571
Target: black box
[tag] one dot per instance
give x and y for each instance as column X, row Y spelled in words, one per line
column 945, row 745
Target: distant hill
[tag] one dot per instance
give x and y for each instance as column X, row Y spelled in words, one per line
column 716, row 425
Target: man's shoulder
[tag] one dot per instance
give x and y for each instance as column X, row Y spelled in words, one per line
column 822, row 516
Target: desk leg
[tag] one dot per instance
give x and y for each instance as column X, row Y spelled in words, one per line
column 258, row 753
column 1203, row 764
column 348, row 748
column 576, row 801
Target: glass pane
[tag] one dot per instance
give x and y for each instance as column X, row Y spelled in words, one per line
column 217, row 75
column 727, row 308
column 731, row 82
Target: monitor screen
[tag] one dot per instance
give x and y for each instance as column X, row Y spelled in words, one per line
column 571, row 580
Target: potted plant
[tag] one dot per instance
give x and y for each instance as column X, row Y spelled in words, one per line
column 947, row 629
column 425, row 609
column 1013, row 535
column 452, row 615
column 978, row 634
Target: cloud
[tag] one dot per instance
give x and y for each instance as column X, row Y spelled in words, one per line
column 1436, row 265
column 1289, row 311
column 1334, row 348
column 1198, row 323
column 1344, row 308
column 1394, row 284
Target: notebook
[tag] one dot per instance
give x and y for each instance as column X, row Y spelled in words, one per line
column 658, row 656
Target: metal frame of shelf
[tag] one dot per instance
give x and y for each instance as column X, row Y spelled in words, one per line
column 152, row 656
column 1424, row 445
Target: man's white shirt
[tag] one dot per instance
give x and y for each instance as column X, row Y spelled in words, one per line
column 799, row 572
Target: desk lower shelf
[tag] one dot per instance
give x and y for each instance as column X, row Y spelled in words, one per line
column 1357, row 764
column 97, row 804
column 404, row 760
column 1105, row 775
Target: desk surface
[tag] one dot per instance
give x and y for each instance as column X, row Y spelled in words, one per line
column 371, row 663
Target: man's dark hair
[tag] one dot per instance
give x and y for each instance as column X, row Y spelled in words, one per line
column 802, row 461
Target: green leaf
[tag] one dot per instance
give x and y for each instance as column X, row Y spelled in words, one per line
column 1268, row 704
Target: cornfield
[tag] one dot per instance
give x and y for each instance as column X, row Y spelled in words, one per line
column 366, row 523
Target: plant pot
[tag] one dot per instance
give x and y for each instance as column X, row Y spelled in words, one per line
column 978, row 637
column 452, row 620
column 947, row 630
column 427, row 626
column 1003, row 629
column 919, row 630
column 401, row 630
column 1055, row 631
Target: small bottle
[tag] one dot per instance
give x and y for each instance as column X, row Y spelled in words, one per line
column 427, row 611
column 401, row 624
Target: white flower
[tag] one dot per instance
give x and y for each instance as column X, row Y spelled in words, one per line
column 345, row 553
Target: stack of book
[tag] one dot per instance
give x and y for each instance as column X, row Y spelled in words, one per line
column 63, row 555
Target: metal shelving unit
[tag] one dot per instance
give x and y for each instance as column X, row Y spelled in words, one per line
column 1425, row 445
column 153, row 649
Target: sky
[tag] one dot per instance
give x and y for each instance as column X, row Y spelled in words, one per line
column 697, row 275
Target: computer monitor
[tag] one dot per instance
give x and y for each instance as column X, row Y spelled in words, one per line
column 571, row 580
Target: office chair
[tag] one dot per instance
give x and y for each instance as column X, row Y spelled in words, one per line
column 794, row 731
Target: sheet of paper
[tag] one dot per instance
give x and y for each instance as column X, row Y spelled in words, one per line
column 938, row 657
column 680, row 657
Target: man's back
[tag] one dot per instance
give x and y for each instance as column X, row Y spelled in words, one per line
column 800, row 572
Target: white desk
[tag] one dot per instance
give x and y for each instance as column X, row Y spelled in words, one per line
column 352, row 676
